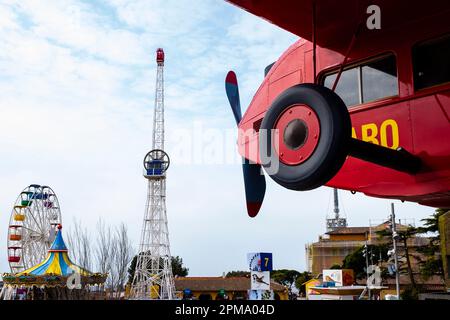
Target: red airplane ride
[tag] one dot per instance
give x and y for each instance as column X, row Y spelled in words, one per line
column 361, row 102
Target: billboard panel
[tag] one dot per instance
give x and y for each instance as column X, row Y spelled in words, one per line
column 261, row 295
column 259, row 261
column 338, row 277
column 260, row 280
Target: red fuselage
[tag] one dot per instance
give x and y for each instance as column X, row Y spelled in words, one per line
column 409, row 112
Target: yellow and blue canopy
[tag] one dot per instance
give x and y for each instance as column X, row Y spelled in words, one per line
column 57, row 262
column 55, row 270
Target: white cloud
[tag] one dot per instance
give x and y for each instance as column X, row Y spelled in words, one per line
column 74, row 24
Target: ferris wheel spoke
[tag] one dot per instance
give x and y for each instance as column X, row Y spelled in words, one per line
column 34, row 218
column 32, row 251
column 40, row 215
column 27, row 244
column 30, row 232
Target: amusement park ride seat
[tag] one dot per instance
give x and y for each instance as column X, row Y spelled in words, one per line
column 19, row 217
column 13, row 256
column 15, row 237
column 154, row 168
column 156, row 162
column 13, row 259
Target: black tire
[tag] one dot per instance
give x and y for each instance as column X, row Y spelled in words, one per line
column 332, row 147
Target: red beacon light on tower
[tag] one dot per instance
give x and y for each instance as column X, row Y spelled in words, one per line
column 160, row 55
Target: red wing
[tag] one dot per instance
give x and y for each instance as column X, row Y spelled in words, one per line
column 293, row 16
column 336, row 21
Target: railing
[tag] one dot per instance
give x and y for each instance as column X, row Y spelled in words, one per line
column 153, row 173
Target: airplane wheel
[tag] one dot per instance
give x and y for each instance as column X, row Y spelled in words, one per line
column 311, row 137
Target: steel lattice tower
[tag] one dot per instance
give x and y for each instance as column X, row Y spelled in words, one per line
column 153, row 277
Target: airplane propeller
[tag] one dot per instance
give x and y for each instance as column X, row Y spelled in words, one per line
column 254, row 180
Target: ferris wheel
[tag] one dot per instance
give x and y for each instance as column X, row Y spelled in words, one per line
column 32, row 227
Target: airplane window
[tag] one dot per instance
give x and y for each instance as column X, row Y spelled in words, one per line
column 347, row 87
column 431, row 63
column 368, row 82
column 379, row 79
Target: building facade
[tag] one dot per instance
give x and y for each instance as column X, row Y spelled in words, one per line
column 333, row 247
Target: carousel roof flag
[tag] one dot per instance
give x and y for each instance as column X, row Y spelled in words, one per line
column 54, row 270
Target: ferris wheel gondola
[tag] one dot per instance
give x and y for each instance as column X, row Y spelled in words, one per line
column 32, row 226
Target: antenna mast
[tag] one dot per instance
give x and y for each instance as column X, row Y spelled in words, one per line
column 336, row 221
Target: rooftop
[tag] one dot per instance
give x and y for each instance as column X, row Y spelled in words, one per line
column 350, row 230
column 217, row 283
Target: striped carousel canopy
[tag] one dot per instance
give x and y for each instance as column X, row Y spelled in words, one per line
column 55, row 271
column 57, row 262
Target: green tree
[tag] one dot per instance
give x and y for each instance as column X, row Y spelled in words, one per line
column 132, row 269
column 432, row 264
column 357, row 262
column 238, row 273
column 357, row 259
column 177, row 268
column 403, row 236
column 301, row 279
column 286, row 278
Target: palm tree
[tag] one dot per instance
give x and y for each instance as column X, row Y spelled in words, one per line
column 433, row 262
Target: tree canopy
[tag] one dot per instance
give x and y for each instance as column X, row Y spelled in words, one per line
column 357, row 259
column 432, row 263
column 177, row 268
column 238, row 273
column 301, row 279
column 284, row 276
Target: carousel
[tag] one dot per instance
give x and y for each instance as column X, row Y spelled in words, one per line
column 55, row 278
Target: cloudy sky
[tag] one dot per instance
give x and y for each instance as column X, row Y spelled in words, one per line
column 76, row 98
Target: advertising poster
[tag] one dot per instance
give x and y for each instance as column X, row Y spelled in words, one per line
column 260, row 280
column 338, row 277
column 261, row 295
column 260, row 261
